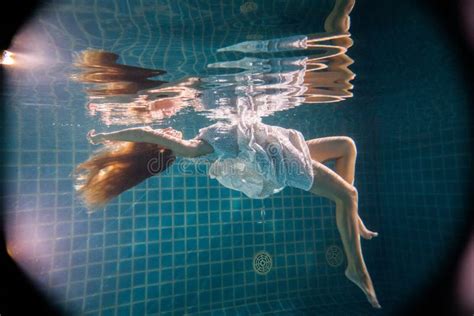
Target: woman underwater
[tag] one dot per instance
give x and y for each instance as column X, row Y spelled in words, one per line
column 249, row 156
column 246, row 155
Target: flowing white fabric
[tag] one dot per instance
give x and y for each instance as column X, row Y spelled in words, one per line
column 258, row 159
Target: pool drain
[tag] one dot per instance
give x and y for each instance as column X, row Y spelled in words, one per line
column 262, row 262
column 334, row 256
column 248, row 7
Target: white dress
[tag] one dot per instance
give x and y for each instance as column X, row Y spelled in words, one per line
column 257, row 159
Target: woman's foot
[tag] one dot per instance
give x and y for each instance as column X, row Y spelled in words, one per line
column 365, row 284
column 365, row 233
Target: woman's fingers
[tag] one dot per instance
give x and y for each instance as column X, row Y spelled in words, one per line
column 94, row 138
column 91, row 136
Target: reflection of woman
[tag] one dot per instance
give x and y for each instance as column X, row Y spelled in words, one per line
column 274, row 84
column 157, row 104
column 124, row 95
column 248, row 156
column 101, row 68
column 326, row 76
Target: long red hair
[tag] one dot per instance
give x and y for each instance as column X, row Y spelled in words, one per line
column 117, row 167
column 110, row 78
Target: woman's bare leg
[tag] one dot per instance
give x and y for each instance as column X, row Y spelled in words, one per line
column 343, row 150
column 338, row 20
column 329, row 184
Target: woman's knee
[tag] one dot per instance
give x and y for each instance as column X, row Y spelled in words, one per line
column 349, row 195
column 349, row 145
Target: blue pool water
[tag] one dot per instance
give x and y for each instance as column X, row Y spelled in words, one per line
column 180, row 243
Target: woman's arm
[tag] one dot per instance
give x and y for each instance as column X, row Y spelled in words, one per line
column 168, row 138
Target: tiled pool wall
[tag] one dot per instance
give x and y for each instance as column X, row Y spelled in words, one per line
column 174, row 244
column 420, row 119
column 178, row 242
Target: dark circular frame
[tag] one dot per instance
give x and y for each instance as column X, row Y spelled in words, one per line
column 18, row 295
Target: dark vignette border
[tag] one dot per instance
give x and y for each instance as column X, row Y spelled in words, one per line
column 18, row 295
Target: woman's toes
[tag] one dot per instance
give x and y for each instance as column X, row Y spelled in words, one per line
column 374, row 302
column 368, row 234
column 364, row 283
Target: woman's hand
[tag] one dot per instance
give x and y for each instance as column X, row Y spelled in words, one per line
column 95, row 138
